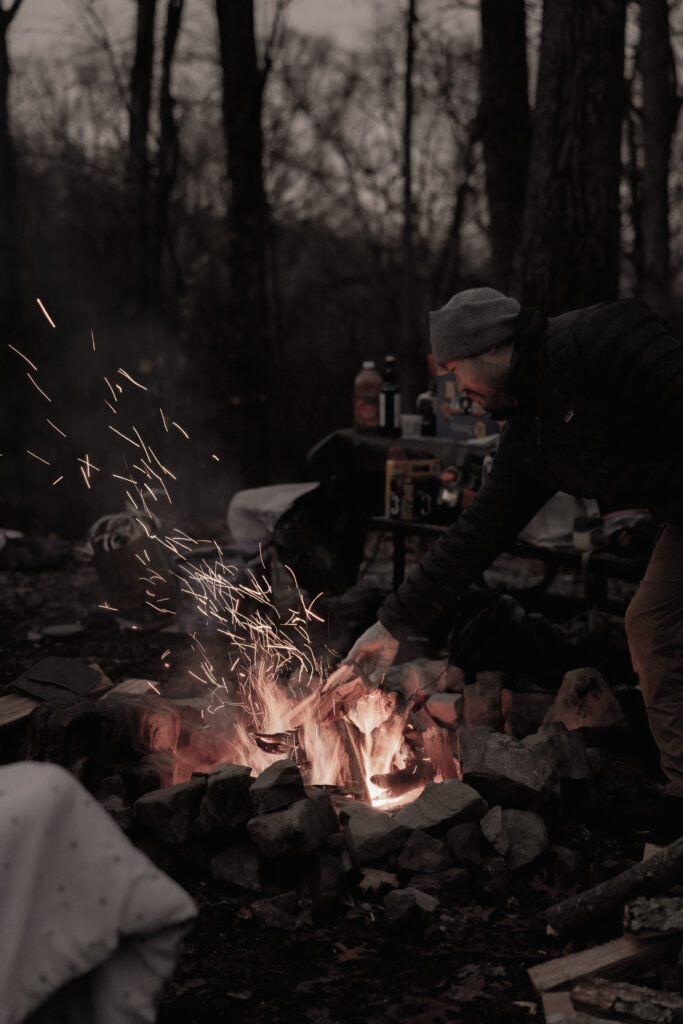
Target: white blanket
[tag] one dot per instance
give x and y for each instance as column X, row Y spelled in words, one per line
column 90, row 929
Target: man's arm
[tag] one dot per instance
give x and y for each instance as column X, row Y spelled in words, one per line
column 501, row 509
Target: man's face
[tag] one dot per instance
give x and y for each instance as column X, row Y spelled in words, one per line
column 482, row 377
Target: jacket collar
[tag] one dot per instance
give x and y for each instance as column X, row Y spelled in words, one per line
column 522, row 378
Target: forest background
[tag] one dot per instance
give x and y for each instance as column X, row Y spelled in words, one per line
column 236, row 212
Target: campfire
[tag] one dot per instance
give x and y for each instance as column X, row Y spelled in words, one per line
column 269, row 696
column 276, row 702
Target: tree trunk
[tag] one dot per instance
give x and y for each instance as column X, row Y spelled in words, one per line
column 138, row 156
column 10, row 302
column 569, row 254
column 412, row 361
column 660, row 113
column 12, row 395
column 167, row 156
column 505, row 128
column 247, row 238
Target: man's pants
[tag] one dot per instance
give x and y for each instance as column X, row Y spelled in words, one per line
column 654, row 627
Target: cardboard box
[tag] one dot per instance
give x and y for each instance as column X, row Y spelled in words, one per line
column 451, row 421
column 412, row 489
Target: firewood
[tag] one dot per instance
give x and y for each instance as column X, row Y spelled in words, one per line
column 649, row 877
column 556, row 1003
column 436, row 744
column 622, row 1001
column 648, row 917
column 626, row 954
column 345, row 730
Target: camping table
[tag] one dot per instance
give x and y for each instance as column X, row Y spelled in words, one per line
column 596, row 566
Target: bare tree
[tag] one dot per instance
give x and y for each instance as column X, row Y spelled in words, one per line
column 411, row 361
column 569, row 254
column 168, row 150
column 247, row 250
column 660, row 109
column 9, row 250
column 505, row 127
column 138, row 151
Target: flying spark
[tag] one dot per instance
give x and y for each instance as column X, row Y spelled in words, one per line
column 124, row 436
column 55, row 427
column 40, row 459
column 183, row 432
column 36, row 386
column 131, row 379
column 32, row 365
column 47, row 315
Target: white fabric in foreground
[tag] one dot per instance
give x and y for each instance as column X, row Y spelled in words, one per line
column 90, row 929
column 253, row 513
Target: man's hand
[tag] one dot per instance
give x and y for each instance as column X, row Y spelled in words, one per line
column 373, row 652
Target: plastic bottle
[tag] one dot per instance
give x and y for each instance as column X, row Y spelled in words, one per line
column 390, row 400
column 366, row 388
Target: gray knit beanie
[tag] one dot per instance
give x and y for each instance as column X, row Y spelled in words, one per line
column 472, row 322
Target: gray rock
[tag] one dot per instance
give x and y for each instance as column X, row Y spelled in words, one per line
column 464, row 841
column 493, row 878
column 155, row 771
column 423, row 853
column 277, row 911
column 524, row 712
column 119, row 810
column 444, row 885
column 492, row 829
column 372, row 833
column 375, row 881
column 279, row 786
column 566, row 749
column 118, row 729
column 238, row 864
column 406, row 906
column 446, row 708
column 297, row 829
column 170, row 813
column 504, row 771
column 528, row 837
column 482, row 700
column 226, row 803
column 585, row 701
column 442, row 804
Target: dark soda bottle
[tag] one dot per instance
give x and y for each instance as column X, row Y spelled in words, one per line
column 390, row 400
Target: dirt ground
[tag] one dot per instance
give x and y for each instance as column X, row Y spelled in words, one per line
column 470, row 966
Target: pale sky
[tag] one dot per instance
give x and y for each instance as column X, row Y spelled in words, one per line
column 44, row 24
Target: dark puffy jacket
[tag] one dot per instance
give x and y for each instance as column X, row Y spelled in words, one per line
column 599, row 415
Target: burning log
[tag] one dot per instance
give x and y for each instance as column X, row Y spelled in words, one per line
column 403, row 780
column 436, row 745
column 341, row 693
column 283, row 743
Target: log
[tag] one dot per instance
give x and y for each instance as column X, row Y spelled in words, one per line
column 436, row 744
column 618, row 1000
column 649, row 877
column 624, row 955
column 649, row 917
column 556, row 1003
